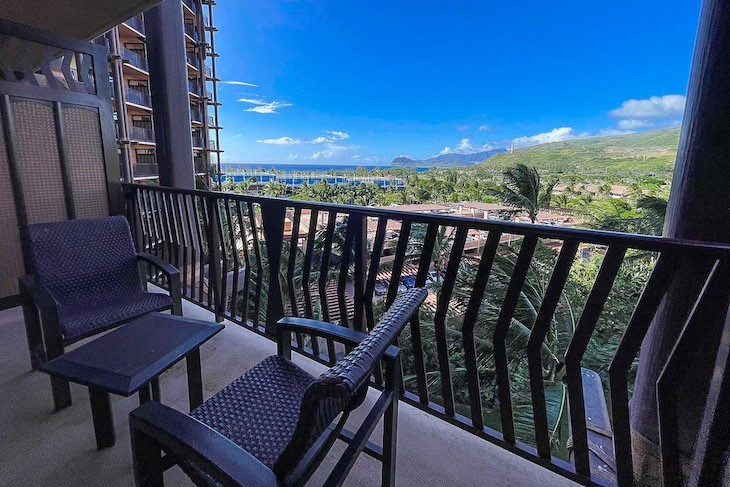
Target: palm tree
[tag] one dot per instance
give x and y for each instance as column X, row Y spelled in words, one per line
column 522, row 189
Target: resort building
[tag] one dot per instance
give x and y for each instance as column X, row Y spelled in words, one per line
column 130, row 71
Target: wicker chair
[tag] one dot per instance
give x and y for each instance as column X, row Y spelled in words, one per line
column 86, row 280
column 274, row 425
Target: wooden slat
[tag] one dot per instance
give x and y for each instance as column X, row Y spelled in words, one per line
column 291, row 266
column 246, row 262
column 544, row 318
column 500, row 334
column 323, row 275
column 424, row 265
column 360, row 251
column 439, row 320
column 577, row 347
column 629, row 346
column 234, row 257
column 685, row 351
column 343, row 274
column 400, row 255
column 190, row 247
column 223, row 276
column 306, row 273
column 467, row 329
column 259, row 264
column 375, row 254
column 200, row 214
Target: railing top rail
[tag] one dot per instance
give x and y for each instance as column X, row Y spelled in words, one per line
column 649, row 243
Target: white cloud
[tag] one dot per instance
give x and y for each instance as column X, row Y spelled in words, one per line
column 484, row 128
column 555, row 135
column 240, row 83
column 332, row 149
column 334, row 135
column 268, row 108
column 466, row 147
column 634, row 124
column 292, row 156
column 655, row 107
column 280, row 141
column 446, row 150
column 252, row 101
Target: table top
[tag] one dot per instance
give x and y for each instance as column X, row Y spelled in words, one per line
column 125, row 359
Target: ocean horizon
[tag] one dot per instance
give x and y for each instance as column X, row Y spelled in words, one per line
column 283, row 167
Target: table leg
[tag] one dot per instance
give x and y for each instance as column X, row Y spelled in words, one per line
column 144, row 394
column 156, row 394
column 101, row 412
column 195, row 379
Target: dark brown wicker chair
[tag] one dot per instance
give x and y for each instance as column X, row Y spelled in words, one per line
column 86, row 279
column 274, row 425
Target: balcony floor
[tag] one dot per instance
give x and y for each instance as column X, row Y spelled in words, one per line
column 41, row 448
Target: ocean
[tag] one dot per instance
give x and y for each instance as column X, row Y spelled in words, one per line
column 313, row 168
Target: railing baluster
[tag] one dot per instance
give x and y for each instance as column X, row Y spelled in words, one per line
column 544, row 318
column 291, row 267
column 246, row 262
column 400, row 257
column 234, row 257
column 306, row 269
column 187, row 203
column 360, row 249
column 424, row 266
column 223, row 276
column 216, row 254
column 323, row 276
column 577, row 347
column 685, row 351
column 343, row 274
column 500, row 335
column 272, row 221
column 200, row 214
column 375, row 254
column 439, row 319
column 144, row 222
column 159, row 239
column 467, row 329
column 181, row 210
column 259, row 264
column 618, row 371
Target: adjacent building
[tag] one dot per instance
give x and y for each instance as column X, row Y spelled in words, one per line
column 133, row 108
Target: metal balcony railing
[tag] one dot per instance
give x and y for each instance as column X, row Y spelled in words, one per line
column 141, row 134
column 496, row 310
column 136, row 23
column 196, row 114
column 194, row 86
column 191, row 5
column 192, row 59
column 135, row 58
column 192, row 32
column 208, row 71
column 145, row 170
column 198, row 141
column 138, row 97
column 200, row 166
column 211, row 144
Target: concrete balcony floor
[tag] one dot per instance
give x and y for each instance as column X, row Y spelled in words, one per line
column 40, row 447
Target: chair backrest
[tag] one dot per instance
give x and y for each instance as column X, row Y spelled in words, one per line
column 344, row 386
column 79, row 256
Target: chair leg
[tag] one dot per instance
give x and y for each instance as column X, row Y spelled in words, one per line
column 33, row 328
column 156, row 393
column 147, row 461
column 390, row 422
column 61, row 393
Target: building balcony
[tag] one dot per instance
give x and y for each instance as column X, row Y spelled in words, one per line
column 195, row 86
column 141, row 134
column 136, row 23
column 145, row 170
column 190, row 4
column 200, row 166
column 138, row 97
column 63, row 443
column 198, row 142
column 136, row 59
column 208, row 71
column 192, row 60
column 196, row 114
column 192, row 32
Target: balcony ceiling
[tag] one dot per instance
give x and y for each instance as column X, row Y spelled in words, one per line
column 81, row 19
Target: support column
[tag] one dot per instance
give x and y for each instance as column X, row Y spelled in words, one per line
column 169, row 89
column 699, row 209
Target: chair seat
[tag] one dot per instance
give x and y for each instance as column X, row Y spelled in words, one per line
column 94, row 312
column 259, row 410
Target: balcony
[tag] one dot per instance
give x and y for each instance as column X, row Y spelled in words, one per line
column 208, row 71
column 145, row 170
column 194, row 86
column 141, row 134
column 198, row 142
column 193, row 60
column 191, row 5
column 200, row 166
column 136, row 59
column 136, row 23
column 138, row 97
column 196, row 114
column 192, row 32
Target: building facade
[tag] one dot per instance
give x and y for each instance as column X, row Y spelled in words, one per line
column 129, row 75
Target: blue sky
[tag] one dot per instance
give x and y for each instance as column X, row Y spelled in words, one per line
column 344, row 82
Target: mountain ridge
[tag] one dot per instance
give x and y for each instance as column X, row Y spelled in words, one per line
column 446, row 160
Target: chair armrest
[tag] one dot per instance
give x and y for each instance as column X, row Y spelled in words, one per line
column 173, row 275
column 347, row 336
column 167, row 268
column 40, row 294
column 188, row 439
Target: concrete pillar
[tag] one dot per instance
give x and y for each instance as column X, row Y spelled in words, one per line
column 699, row 209
column 169, row 89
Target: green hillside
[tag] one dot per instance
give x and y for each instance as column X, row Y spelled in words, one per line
column 642, row 153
